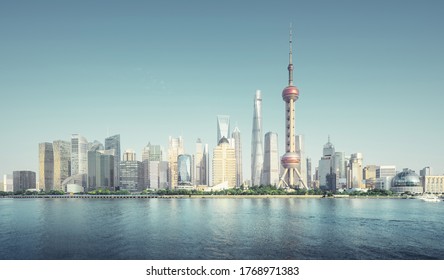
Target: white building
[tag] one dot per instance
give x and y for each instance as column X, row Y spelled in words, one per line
column 224, row 164
column 271, row 160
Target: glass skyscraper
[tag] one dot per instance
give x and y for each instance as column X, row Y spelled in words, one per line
column 257, row 149
column 79, row 155
column 113, row 143
column 223, row 127
column 236, row 135
column 184, row 171
column 23, row 180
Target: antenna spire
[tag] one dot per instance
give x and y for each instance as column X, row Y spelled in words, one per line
column 290, row 63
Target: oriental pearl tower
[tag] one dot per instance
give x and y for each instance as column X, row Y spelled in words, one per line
column 290, row 160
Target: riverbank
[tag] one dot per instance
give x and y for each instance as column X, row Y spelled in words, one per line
column 195, row 196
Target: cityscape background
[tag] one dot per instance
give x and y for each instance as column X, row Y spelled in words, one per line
column 370, row 75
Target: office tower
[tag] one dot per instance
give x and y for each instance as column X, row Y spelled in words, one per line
column 426, row 171
column 309, row 174
column 62, row 162
column 326, row 180
column 236, row 136
column 224, row 164
column 271, row 159
column 338, row 173
column 113, row 143
column 300, row 151
column 23, row 180
column 433, row 184
column 223, row 127
column 290, row 159
column 184, row 179
column 257, row 149
column 101, row 169
column 7, row 185
column 200, row 164
column 175, row 149
column 46, row 166
column 152, row 153
column 79, row 155
column 369, row 176
column 131, row 172
column 164, row 170
column 355, row 171
column 384, row 176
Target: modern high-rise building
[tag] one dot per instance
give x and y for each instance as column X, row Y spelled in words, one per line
column 164, row 170
column 326, row 180
column 131, row 172
column 236, row 136
column 300, row 151
column 200, row 164
column 152, row 153
column 290, row 159
column 184, row 178
column 62, row 162
column 354, row 179
column 426, row 171
column 369, row 176
column 175, row 149
column 101, row 169
column 79, row 155
column 113, row 143
column 309, row 173
column 23, row 180
column 46, row 166
column 338, row 171
column 7, row 185
column 224, row 164
column 223, row 127
column 257, row 148
column 271, row 160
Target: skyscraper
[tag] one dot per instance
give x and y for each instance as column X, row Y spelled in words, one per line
column 257, row 149
column 151, row 157
column 23, row 180
column 325, row 167
column 62, row 162
column 200, row 164
column 131, row 173
column 101, row 169
column 223, row 127
column 46, row 166
column 300, row 151
column 271, row 159
column 355, row 171
column 113, row 143
column 309, row 173
column 290, row 159
column 79, row 155
column 184, row 171
column 175, row 148
column 236, row 135
column 224, row 164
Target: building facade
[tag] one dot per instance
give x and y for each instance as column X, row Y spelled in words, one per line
column 62, row 162
column 433, row 184
column 184, row 177
column 175, row 149
column 257, row 149
column 46, row 166
column 223, row 127
column 236, row 136
column 112, row 143
column 271, row 169
column 224, row 164
column 79, row 155
column 23, row 180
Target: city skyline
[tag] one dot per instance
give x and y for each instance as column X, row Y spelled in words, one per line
column 150, row 71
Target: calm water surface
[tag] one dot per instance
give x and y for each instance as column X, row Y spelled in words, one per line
column 276, row 228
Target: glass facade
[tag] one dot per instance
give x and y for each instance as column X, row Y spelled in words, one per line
column 271, row 160
column 236, row 135
column 79, row 155
column 113, row 143
column 257, row 149
column 223, row 127
column 184, row 170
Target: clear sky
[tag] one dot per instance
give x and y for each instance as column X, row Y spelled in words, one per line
column 370, row 75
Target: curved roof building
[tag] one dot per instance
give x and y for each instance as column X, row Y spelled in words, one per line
column 407, row 181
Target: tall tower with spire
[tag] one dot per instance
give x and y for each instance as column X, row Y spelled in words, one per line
column 290, row 160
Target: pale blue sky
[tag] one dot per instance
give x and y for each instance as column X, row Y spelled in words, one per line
column 370, row 74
